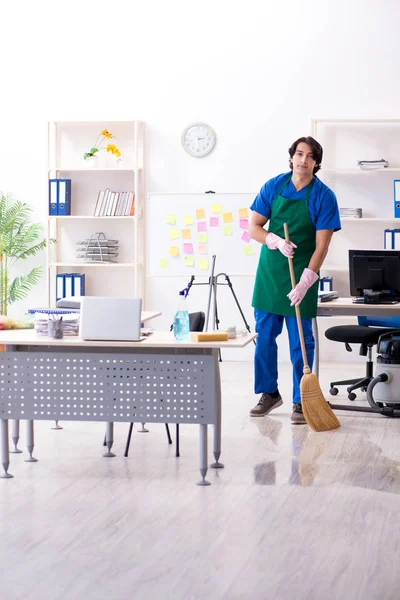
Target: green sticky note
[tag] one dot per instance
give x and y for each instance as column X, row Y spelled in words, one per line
column 189, row 261
column 248, row 250
column 227, row 230
column 171, row 219
column 163, row 263
column 202, row 238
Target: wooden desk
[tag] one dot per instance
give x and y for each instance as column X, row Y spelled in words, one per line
column 155, row 380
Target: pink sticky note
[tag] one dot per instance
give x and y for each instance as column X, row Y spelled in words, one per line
column 203, row 248
column 188, row 248
column 214, row 221
column 201, row 226
column 245, row 237
column 244, row 223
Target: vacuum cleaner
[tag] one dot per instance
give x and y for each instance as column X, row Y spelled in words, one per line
column 383, row 391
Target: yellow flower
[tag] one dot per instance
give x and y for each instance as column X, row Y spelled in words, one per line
column 113, row 149
column 106, row 133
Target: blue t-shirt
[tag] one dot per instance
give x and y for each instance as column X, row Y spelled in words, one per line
column 322, row 204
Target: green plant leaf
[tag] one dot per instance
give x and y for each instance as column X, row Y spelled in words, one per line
column 94, row 150
column 21, row 285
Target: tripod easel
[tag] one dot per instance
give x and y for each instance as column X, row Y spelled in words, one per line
column 213, row 283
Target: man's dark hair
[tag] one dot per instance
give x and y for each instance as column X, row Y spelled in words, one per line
column 315, row 147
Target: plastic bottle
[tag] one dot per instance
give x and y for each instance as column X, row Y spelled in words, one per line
column 181, row 319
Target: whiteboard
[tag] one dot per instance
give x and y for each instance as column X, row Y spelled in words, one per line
column 195, row 227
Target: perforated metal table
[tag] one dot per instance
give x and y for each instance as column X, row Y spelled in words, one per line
column 156, row 380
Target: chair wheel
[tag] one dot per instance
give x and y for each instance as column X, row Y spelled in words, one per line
column 333, row 391
column 352, row 396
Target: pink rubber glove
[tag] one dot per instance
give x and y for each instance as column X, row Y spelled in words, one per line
column 274, row 242
column 307, row 279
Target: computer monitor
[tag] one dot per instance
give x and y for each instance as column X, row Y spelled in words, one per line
column 375, row 274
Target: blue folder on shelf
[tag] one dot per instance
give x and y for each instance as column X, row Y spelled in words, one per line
column 59, row 197
column 60, row 286
column 52, row 197
column 78, row 288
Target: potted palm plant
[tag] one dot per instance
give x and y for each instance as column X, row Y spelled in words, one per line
column 19, row 239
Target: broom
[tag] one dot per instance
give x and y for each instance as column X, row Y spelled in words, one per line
column 317, row 412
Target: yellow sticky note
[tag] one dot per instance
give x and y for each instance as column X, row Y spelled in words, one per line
column 200, row 213
column 227, row 230
column 188, row 220
column 186, row 234
column 173, row 234
column 202, row 238
column 171, row 219
column 163, row 263
column 216, row 209
column 227, row 217
column 188, row 261
column 174, row 250
column 243, row 213
column 248, row 250
column 203, row 264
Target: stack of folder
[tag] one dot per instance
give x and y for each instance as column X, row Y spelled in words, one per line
column 70, row 284
column 59, row 197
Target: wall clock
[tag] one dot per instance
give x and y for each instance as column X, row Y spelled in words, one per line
column 198, row 139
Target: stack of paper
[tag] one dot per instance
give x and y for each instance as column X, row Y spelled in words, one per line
column 355, row 213
column 70, row 323
column 373, row 164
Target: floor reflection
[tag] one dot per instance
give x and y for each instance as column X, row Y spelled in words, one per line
column 309, row 458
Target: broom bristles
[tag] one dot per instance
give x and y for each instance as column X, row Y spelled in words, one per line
column 317, row 412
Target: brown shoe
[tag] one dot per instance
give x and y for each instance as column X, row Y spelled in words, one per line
column 265, row 404
column 297, row 415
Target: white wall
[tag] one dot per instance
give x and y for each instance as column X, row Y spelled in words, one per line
column 256, row 71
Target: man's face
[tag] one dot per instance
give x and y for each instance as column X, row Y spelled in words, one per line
column 303, row 161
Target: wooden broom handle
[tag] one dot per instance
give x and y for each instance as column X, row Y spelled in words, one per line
column 297, row 308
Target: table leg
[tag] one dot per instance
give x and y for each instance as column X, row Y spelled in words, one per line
column 15, row 436
column 109, row 440
column 5, row 456
column 218, row 417
column 316, row 351
column 30, row 441
column 203, row 455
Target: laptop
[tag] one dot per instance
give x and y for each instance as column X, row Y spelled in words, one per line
column 112, row 319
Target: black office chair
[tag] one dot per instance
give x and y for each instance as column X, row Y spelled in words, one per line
column 196, row 323
column 367, row 337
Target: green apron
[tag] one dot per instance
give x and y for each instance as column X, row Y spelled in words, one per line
column 273, row 277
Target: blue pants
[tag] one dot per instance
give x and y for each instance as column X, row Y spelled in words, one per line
column 268, row 327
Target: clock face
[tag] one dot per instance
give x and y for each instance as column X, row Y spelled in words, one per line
column 198, row 139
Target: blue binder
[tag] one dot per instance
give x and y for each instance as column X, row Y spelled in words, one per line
column 53, row 197
column 69, row 285
column 60, row 286
column 59, row 197
column 396, row 198
column 79, row 284
column 63, row 197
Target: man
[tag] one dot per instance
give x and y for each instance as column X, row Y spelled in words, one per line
column 310, row 210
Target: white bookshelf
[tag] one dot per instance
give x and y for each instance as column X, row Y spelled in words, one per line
column 67, row 142
column 345, row 141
